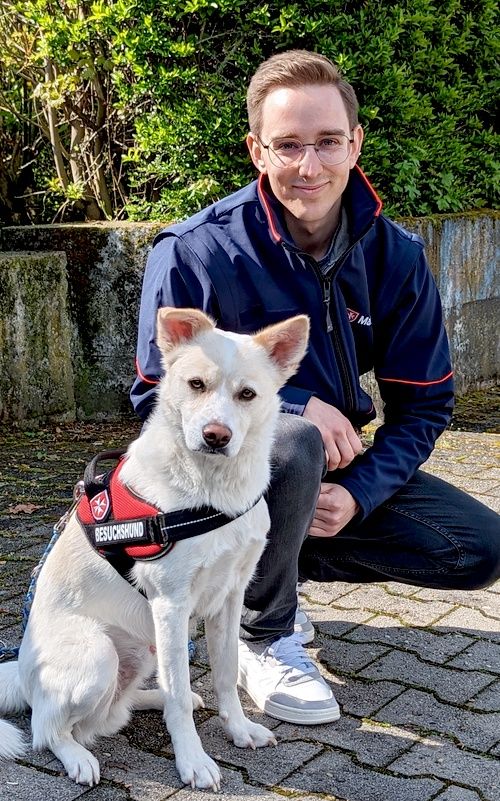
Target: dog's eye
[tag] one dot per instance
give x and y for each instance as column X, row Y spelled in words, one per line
column 197, row 384
column 247, row 394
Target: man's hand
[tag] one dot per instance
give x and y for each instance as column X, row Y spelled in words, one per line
column 335, row 508
column 341, row 442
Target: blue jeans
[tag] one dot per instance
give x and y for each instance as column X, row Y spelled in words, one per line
column 429, row 534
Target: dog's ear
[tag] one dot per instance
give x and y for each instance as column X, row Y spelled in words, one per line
column 175, row 326
column 286, row 343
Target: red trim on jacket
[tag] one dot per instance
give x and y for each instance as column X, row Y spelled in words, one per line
column 418, row 383
column 267, row 209
column 143, row 377
column 371, row 189
column 270, row 215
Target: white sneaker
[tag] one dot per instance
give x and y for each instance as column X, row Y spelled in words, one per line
column 303, row 627
column 284, row 683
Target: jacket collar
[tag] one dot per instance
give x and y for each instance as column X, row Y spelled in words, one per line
column 360, row 200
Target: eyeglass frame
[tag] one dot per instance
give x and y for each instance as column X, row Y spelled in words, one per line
column 282, row 165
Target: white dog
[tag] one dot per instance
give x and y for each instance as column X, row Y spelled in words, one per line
column 92, row 638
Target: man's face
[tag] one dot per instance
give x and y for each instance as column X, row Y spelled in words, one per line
column 309, row 190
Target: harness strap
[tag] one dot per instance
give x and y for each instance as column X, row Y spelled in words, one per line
column 162, row 529
column 123, row 527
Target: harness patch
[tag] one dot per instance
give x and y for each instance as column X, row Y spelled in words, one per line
column 115, row 520
column 122, row 527
column 100, row 506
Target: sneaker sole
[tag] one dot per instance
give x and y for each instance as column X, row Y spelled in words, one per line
column 291, row 715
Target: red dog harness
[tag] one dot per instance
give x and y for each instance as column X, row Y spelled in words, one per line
column 123, row 528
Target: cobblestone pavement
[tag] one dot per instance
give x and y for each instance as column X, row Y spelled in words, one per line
column 415, row 671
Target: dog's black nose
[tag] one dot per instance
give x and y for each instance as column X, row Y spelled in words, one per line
column 217, row 436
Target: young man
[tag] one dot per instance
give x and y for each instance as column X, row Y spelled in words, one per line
column 309, row 237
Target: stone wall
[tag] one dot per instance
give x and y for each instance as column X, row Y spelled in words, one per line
column 36, row 374
column 104, row 267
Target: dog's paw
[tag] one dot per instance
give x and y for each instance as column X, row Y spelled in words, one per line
column 197, row 700
column 80, row 764
column 199, row 771
column 249, row 735
column 85, row 771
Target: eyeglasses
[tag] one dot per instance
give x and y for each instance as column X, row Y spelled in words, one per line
column 332, row 149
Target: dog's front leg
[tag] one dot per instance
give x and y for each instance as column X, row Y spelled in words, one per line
column 171, row 626
column 222, row 641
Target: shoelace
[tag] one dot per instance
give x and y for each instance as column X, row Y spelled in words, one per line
column 290, row 656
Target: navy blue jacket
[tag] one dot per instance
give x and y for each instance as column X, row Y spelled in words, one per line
column 377, row 308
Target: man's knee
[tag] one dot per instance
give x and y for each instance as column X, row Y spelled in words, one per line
column 298, row 450
column 485, row 562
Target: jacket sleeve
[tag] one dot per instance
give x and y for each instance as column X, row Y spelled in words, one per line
column 413, row 370
column 294, row 399
column 174, row 276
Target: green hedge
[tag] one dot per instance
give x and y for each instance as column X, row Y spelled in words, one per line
column 176, row 74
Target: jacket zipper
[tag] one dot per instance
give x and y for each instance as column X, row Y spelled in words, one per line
column 332, row 327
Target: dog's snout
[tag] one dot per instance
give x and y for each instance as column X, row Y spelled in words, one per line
column 216, row 435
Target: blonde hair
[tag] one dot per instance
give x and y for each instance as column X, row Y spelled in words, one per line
column 296, row 68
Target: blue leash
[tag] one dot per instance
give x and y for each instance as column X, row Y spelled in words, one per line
column 6, row 652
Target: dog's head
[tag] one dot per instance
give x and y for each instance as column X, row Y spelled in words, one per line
column 220, row 388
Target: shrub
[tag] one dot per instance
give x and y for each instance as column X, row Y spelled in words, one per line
column 173, row 74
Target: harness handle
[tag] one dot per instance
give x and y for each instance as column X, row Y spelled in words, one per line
column 94, row 483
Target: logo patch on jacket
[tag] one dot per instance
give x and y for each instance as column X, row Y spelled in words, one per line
column 357, row 317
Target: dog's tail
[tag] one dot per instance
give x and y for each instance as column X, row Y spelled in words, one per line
column 12, row 699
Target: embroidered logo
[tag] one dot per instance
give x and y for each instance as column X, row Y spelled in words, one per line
column 357, row 317
column 99, row 506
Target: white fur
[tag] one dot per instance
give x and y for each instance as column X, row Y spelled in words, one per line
column 91, row 638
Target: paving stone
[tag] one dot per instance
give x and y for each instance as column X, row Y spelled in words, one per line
column 12, row 606
column 143, row 775
column 483, row 486
column 334, row 622
column 396, row 588
column 375, row 598
column 454, row 793
column 268, row 765
column 325, row 594
column 473, row 622
column 488, row 700
column 338, row 655
column 338, row 775
column 9, row 545
column 472, row 599
column 369, row 743
column 10, row 632
column 364, row 698
column 457, row 686
column 442, row 759
column 233, row 787
column 20, row 783
column 433, row 647
column 479, row 731
column 479, row 656
column 103, row 793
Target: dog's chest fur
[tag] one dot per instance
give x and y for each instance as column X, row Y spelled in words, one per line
column 206, row 569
